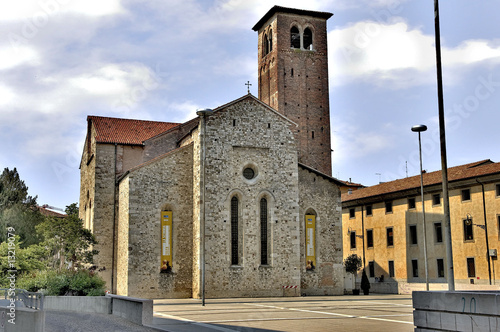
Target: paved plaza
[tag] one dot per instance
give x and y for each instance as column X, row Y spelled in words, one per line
column 292, row 314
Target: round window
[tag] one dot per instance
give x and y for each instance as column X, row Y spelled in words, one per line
column 248, row 173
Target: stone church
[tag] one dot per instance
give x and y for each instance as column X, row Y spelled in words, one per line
column 238, row 202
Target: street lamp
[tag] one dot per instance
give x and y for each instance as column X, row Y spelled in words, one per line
column 419, row 129
column 203, row 113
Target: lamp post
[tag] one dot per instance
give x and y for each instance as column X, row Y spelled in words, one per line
column 444, row 161
column 419, row 129
column 203, row 113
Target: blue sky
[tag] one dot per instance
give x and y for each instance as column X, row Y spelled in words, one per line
column 61, row 60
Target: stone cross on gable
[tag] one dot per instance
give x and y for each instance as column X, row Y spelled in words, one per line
column 248, row 84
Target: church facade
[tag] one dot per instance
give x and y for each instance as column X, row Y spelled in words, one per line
column 234, row 203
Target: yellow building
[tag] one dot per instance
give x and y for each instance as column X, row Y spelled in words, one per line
column 383, row 224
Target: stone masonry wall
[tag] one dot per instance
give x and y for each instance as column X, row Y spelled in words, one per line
column 321, row 197
column 248, row 134
column 122, row 250
column 295, row 82
column 165, row 183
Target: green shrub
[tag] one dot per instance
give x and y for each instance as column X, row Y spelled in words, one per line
column 35, row 281
column 85, row 283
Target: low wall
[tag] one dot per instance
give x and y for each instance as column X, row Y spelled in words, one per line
column 139, row 311
column 90, row 304
column 456, row 311
column 25, row 319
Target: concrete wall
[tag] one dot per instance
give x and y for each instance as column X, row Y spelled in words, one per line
column 25, row 320
column 321, row 197
column 136, row 310
column 90, row 304
column 456, row 311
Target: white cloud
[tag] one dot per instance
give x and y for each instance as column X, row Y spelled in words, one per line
column 14, row 56
column 7, row 96
column 39, row 10
column 350, row 142
column 396, row 55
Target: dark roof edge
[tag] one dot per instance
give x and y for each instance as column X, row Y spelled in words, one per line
column 279, row 9
column 323, row 175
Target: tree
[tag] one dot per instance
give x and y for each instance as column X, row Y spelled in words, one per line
column 352, row 264
column 18, row 209
column 67, row 239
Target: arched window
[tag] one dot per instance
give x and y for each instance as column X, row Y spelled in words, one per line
column 270, row 43
column 308, row 39
column 263, row 231
column 294, row 37
column 265, row 45
column 234, row 231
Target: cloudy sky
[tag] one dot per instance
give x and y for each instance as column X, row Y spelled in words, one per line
column 61, row 60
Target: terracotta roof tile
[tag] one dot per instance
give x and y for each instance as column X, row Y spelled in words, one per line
column 127, row 131
column 461, row 172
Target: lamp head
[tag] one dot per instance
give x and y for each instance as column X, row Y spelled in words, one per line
column 419, row 128
column 204, row 111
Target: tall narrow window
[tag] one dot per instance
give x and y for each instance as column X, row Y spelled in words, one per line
column 369, row 238
column 352, row 213
column 308, row 39
column 414, row 268
column 438, row 232
column 390, row 237
column 440, row 268
column 471, row 267
column 413, row 234
column 234, row 231
column 294, row 37
column 371, row 269
column 391, row 269
column 263, row 231
column 265, row 45
column 468, row 233
column 353, row 240
column 498, row 189
column 270, row 42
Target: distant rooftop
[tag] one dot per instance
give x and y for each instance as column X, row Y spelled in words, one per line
column 462, row 172
column 279, row 9
column 127, row 131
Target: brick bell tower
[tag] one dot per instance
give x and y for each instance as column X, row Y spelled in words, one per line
column 293, row 78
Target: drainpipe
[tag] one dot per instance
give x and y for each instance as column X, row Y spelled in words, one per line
column 114, row 225
column 486, row 231
column 363, row 233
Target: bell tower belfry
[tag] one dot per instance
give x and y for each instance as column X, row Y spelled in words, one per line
column 293, row 77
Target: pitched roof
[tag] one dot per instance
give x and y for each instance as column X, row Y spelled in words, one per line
column 462, row 172
column 50, row 213
column 351, row 184
column 327, row 177
column 127, row 131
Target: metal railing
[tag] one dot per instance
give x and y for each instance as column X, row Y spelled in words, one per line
column 28, row 299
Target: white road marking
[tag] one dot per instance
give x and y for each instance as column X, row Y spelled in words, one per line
column 208, row 326
column 335, row 314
